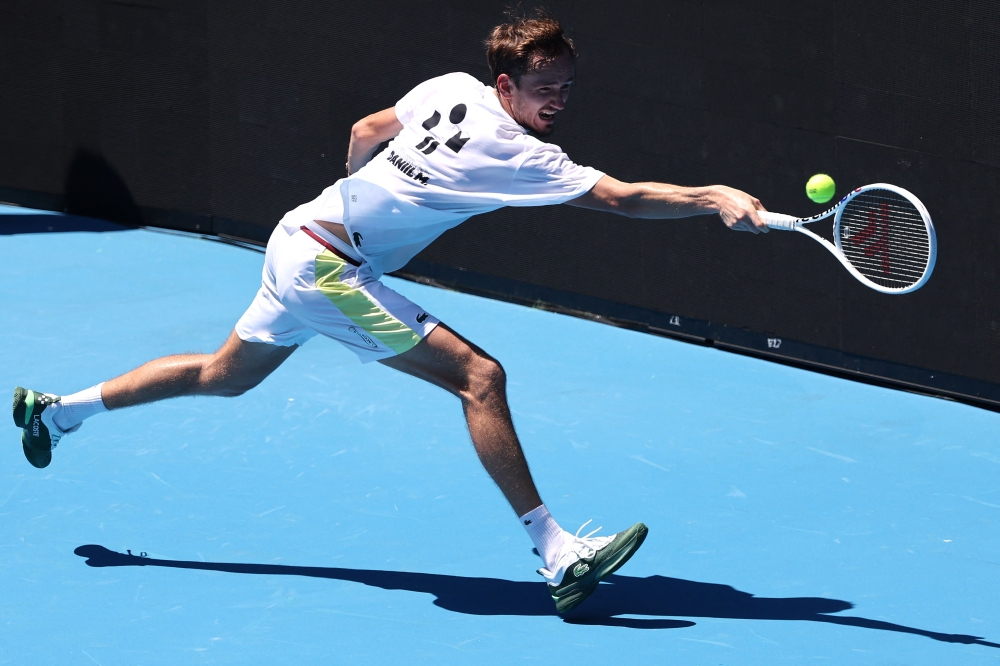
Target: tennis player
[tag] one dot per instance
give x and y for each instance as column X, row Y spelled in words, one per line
column 456, row 148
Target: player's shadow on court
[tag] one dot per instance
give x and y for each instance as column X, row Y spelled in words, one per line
column 656, row 597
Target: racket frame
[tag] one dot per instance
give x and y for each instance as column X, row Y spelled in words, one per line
column 792, row 223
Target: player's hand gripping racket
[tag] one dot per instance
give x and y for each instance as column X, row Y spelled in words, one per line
column 882, row 234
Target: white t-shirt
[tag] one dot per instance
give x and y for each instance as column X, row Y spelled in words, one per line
column 459, row 154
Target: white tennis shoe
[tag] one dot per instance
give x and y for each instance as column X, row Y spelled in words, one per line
column 584, row 561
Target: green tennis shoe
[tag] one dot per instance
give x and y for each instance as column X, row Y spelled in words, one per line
column 586, row 561
column 39, row 435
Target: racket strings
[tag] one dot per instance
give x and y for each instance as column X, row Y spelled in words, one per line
column 885, row 238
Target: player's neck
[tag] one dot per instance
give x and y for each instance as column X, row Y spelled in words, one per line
column 509, row 110
column 505, row 104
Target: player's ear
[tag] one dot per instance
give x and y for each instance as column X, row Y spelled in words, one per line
column 505, row 86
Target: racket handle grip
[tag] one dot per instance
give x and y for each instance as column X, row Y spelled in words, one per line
column 777, row 220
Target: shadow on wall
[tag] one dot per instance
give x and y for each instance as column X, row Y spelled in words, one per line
column 94, row 189
column 659, row 598
column 96, row 199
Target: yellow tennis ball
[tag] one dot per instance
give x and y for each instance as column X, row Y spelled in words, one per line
column 821, row 188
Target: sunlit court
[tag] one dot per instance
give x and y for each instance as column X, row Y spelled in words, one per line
column 633, row 374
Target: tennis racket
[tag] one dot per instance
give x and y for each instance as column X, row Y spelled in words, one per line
column 882, row 234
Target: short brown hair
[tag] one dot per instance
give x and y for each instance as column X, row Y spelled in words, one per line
column 525, row 44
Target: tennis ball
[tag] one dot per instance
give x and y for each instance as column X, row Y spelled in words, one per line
column 821, row 188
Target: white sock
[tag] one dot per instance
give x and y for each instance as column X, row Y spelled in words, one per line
column 73, row 409
column 545, row 533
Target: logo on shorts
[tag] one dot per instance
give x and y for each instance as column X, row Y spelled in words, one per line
column 421, row 317
column 357, row 239
column 368, row 341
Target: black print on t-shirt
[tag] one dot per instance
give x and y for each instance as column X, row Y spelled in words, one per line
column 429, row 144
column 407, row 168
column 432, row 121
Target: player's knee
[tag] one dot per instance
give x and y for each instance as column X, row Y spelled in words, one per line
column 486, row 378
column 231, row 390
column 219, row 377
column 234, row 385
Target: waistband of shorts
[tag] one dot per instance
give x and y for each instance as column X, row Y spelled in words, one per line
column 332, row 243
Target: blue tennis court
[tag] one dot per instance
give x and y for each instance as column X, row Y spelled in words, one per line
column 338, row 512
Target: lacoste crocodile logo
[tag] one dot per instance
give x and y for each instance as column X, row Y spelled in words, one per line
column 580, row 569
column 420, row 319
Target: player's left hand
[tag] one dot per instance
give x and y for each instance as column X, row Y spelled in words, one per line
column 738, row 210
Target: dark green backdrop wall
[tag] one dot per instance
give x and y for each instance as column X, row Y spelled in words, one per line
column 218, row 116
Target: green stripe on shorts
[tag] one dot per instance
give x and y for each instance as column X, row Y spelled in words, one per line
column 360, row 309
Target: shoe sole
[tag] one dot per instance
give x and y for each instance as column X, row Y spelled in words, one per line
column 570, row 601
column 20, row 395
column 624, row 555
column 39, row 458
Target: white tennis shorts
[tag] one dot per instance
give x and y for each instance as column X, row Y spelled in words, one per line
column 313, row 282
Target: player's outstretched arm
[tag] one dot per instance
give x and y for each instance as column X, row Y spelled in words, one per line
column 662, row 201
column 367, row 134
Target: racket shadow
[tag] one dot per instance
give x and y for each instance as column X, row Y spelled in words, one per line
column 657, row 598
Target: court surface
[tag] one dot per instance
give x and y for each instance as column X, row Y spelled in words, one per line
column 338, row 512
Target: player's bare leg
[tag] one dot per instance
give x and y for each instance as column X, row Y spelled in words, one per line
column 232, row 370
column 235, row 368
column 573, row 566
column 447, row 360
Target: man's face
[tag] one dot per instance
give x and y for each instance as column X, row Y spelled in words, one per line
column 539, row 96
